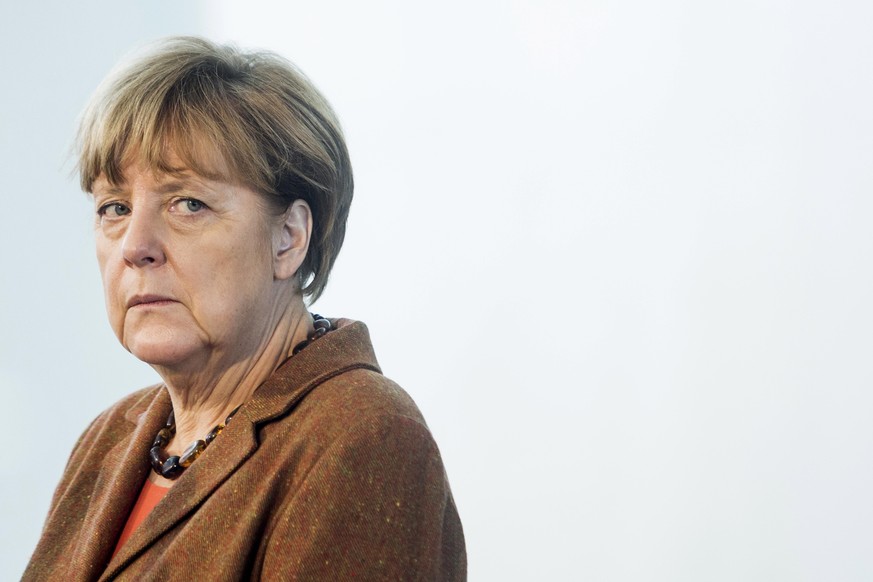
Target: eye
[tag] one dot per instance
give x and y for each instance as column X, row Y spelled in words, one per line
column 188, row 205
column 113, row 210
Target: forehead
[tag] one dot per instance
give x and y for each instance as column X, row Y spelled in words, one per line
column 161, row 182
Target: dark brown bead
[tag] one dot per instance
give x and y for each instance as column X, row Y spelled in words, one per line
column 162, row 438
column 191, row 453
column 299, row 347
column 231, row 415
column 321, row 324
column 214, row 433
column 155, row 458
column 171, row 468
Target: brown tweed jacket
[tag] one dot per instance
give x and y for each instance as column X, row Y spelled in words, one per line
column 327, row 473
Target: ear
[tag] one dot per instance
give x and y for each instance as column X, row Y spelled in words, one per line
column 291, row 240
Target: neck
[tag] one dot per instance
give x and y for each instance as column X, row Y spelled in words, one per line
column 203, row 398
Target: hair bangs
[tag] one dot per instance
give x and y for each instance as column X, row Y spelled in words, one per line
column 168, row 134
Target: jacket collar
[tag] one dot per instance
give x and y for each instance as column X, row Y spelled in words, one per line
column 346, row 348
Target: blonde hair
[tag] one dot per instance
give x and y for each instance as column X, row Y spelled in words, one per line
column 192, row 98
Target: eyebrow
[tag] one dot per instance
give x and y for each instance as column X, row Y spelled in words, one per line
column 109, row 190
column 174, row 185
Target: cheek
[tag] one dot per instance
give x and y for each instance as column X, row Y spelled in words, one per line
column 109, row 274
column 104, row 248
column 242, row 279
column 105, row 266
column 227, row 279
column 247, row 278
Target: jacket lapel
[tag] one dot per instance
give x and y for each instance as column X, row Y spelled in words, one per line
column 213, row 467
column 116, row 488
column 341, row 350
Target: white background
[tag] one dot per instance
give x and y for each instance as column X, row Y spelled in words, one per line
column 618, row 252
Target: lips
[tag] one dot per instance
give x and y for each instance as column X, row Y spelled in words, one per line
column 147, row 300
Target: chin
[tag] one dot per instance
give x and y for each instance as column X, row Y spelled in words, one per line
column 161, row 347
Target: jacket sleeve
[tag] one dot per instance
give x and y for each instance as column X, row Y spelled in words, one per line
column 376, row 506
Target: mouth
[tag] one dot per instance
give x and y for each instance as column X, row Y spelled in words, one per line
column 149, row 301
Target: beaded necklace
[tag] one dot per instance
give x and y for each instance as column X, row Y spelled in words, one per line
column 170, row 467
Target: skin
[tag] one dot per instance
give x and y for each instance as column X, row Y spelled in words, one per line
column 200, row 283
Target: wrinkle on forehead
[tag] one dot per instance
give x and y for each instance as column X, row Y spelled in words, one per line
column 164, row 182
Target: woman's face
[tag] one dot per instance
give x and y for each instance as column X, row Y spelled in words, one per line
column 187, row 266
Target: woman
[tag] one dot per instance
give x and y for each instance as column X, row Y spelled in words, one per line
column 274, row 448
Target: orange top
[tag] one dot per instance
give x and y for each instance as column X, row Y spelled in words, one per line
column 149, row 497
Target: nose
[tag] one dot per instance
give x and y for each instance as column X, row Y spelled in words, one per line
column 143, row 245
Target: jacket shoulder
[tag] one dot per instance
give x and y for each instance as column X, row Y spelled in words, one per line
column 369, row 496
column 358, row 395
